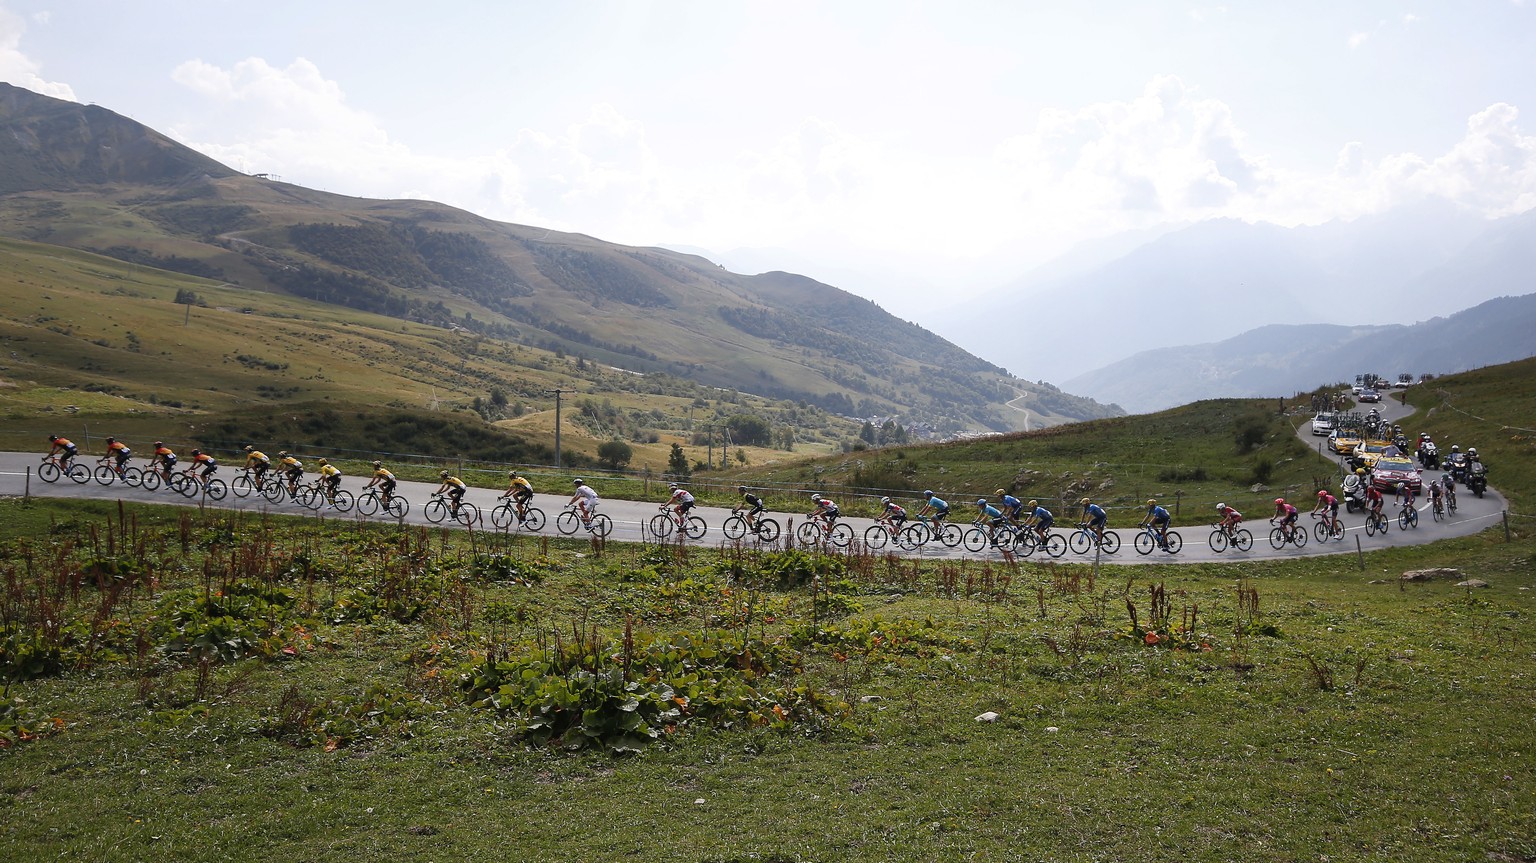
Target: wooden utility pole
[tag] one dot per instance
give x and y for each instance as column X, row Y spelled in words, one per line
column 557, row 393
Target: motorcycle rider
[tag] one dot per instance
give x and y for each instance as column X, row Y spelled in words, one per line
column 1351, row 486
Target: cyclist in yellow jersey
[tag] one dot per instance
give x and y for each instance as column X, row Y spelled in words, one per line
column 455, row 488
column 293, row 469
column 257, row 462
column 521, row 492
column 384, row 480
column 331, row 476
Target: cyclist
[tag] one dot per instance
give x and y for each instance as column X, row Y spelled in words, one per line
column 521, row 491
column 1039, row 518
column 1449, row 483
column 202, row 460
column 826, row 511
column 384, row 479
column 1374, row 500
column 455, row 488
column 1095, row 516
column 257, row 463
column 585, row 499
column 330, row 477
column 64, row 448
column 1436, row 496
column 940, row 509
column 680, row 502
column 1158, row 517
column 1230, row 518
column 1404, row 494
column 989, row 513
column 1329, row 506
column 752, row 503
column 892, row 515
column 164, row 458
column 1287, row 515
column 1010, row 505
column 118, row 450
column 293, row 469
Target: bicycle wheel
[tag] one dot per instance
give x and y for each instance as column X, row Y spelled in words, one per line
column 1413, row 518
column 949, row 535
column 308, row 498
column 1437, row 512
column 48, row 472
column 734, row 527
column 1145, row 543
column 1299, row 537
column 1111, row 542
column 133, row 477
column 808, row 533
column 533, row 518
column 567, row 522
column 399, row 506
column 1402, row 519
column 1242, row 540
column 104, row 474
column 217, row 489
column 1174, row 542
column 435, row 510
column 1218, row 541
column 1081, row 541
column 369, row 503
column 841, row 535
column 1276, row 538
column 912, row 537
column 767, row 529
column 503, row 515
column 696, row 527
column 875, row 536
column 1055, row 546
column 662, row 525
column 272, row 490
column 1002, row 539
column 79, row 473
column 342, row 500
column 469, row 514
column 150, row 480
column 974, row 539
column 1320, row 530
column 242, row 485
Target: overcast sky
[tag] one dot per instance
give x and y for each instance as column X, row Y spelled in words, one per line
column 952, row 144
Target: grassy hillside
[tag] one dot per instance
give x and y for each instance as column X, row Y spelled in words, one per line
column 1493, row 409
column 91, row 346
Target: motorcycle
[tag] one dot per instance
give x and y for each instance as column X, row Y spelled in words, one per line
column 1455, row 464
column 1354, row 498
column 1477, row 478
column 1429, row 456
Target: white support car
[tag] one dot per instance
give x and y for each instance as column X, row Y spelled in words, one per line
column 1322, row 424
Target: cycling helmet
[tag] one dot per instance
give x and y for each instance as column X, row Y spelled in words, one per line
column 981, row 501
column 578, row 482
column 1033, row 504
column 1322, row 492
column 321, row 461
column 885, row 501
column 927, row 493
column 1399, row 487
column 159, row 444
column 1279, row 501
column 1221, row 507
column 52, row 438
column 443, row 474
column 512, row 475
column 672, row 485
column 815, row 496
column 283, row 454
column 250, row 449
column 1001, row 492
column 378, row 464
column 111, row 440
column 1085, row 501
column 197, row 452
column 1151, row 501
column 741, row 489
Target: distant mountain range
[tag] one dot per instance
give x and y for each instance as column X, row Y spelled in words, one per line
column 87, row 178
column 1216, row 279
column 1278, row 360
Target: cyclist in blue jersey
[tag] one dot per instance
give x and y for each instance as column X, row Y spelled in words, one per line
column 1010, row 505
column 987, row 511
column 932, row 504
column 1095, row 516
column 1039, row 518
column 1158, row 517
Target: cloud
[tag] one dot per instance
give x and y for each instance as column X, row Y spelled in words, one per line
column 19, row 69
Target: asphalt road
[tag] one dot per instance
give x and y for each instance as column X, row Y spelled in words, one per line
column 630, row 517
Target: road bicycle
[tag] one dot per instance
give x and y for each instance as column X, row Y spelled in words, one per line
column 506, row 513
column 814, row 531
column 248, row 482
column 440, row 508
column 52, row 468
column 1026, row 540
column 1148, row 539
column 762, row 527
column 666, row 521
column 372, row 502
column 984, row 534
column 570, row 521
column 194, row 483
column 108, row 472
column 317, row 494
column 275, row 487
column 1437, row 508
column 1278, row 537
column 907, row 537
column 948, row 534
column 1084, row 539
column 1375, row 523
column 1407, row 517
column 1326, row 528
column 157, row 475
column 1224, row 537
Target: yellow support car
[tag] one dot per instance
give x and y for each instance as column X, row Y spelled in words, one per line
column 1344, row 441
column 1371, row 451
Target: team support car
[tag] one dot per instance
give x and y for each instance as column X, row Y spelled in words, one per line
column 1371, row 451
column 1343, row 441
column 1370, row 396
column 1322, row 423
column 1393, row 469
